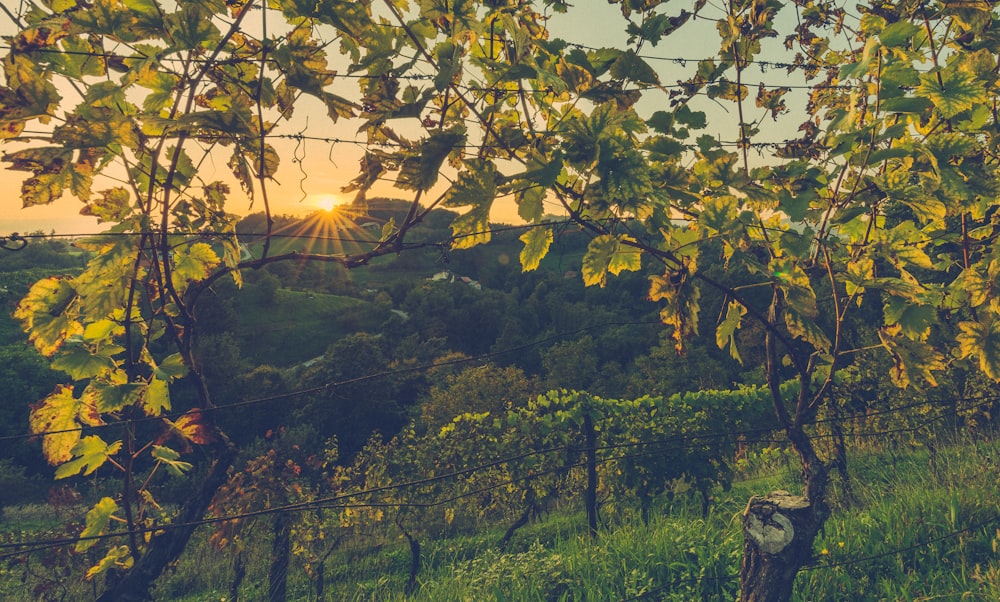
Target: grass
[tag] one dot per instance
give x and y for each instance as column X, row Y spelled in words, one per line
column 910, row 534
column 285, row 331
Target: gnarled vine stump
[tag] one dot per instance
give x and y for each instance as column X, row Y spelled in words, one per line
column 778, row 532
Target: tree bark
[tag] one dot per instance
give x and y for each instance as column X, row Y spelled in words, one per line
column 778, row 532
column 165, row 548
column 239, row 573
column 520, row 522
column 411, row 582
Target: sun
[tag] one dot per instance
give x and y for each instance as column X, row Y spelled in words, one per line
column 325, row 201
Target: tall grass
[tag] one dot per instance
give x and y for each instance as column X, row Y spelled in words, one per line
column 910, row 534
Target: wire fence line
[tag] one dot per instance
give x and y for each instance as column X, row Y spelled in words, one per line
column 337, row 501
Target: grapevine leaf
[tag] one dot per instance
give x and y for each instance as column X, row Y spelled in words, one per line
column 605, row 254
column 421, row 167
column 32, row 95
column 859, row 275
column 171, row 460
column 43, row 314
column 111, row 206
column 914, row 319
column 191, row 27
column 530, row 201
column 681, row 306
column 190, row 427
column 171, row 368
column 898, row 34
column 626, row 258
column 476, row 186
column 160, row 89
column 907, row 104
column 725, row 334
column 80, row 363
column 193, row 263
column 954, row 93
column 981, row 339
column 118, row 556
column 470, row 229
column 447, row 54
column 114, row 396
column 536, row 246
column 800, row 317
column 719, row 214
column 90, row 453
column 914, row 362
column 156, row 399
column 61, row 416
column 98, row 519
column 630, row 66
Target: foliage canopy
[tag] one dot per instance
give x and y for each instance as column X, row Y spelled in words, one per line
column 887, row 198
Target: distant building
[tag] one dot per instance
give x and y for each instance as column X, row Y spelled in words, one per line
column 447, row 276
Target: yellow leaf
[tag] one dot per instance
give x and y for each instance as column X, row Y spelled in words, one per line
column 61, row 415
column 42, row 313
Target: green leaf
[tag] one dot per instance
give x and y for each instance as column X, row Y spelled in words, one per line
column 171, row 367
column 860, row 68
column 476, row 186
column 113, row 205
column 800, row 318
column 795, row 206
column 725, row 334
column 97, row 521
column 449, row 63
column 191, row 27
column 530, row 202
column 80, row 363
column 605, row 254
column 161, row 89
column 631, row 66
column 681, row 305
column 117, row 557
column 470, row 230
column 421, row 168
column 858, row 276
column 719, row 214
column 797, row 244
column 156, row 399
column 112, row 397
column 907, row 104
column 90, row 453
column 536, row 246
column 171, row 460
column 956, row 92
column 664, row 146
column 193, row 263
column 800, row 310
column 898, row 34
column 914, row 320
column 981, row 339
column 349, row 17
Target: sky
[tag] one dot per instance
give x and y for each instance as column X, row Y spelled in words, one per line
column 313, row 172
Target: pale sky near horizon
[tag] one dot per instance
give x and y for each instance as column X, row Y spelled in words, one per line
column 315, row 168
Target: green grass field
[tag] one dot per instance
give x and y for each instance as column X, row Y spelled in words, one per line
column 909, row 535
column 300, row 325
